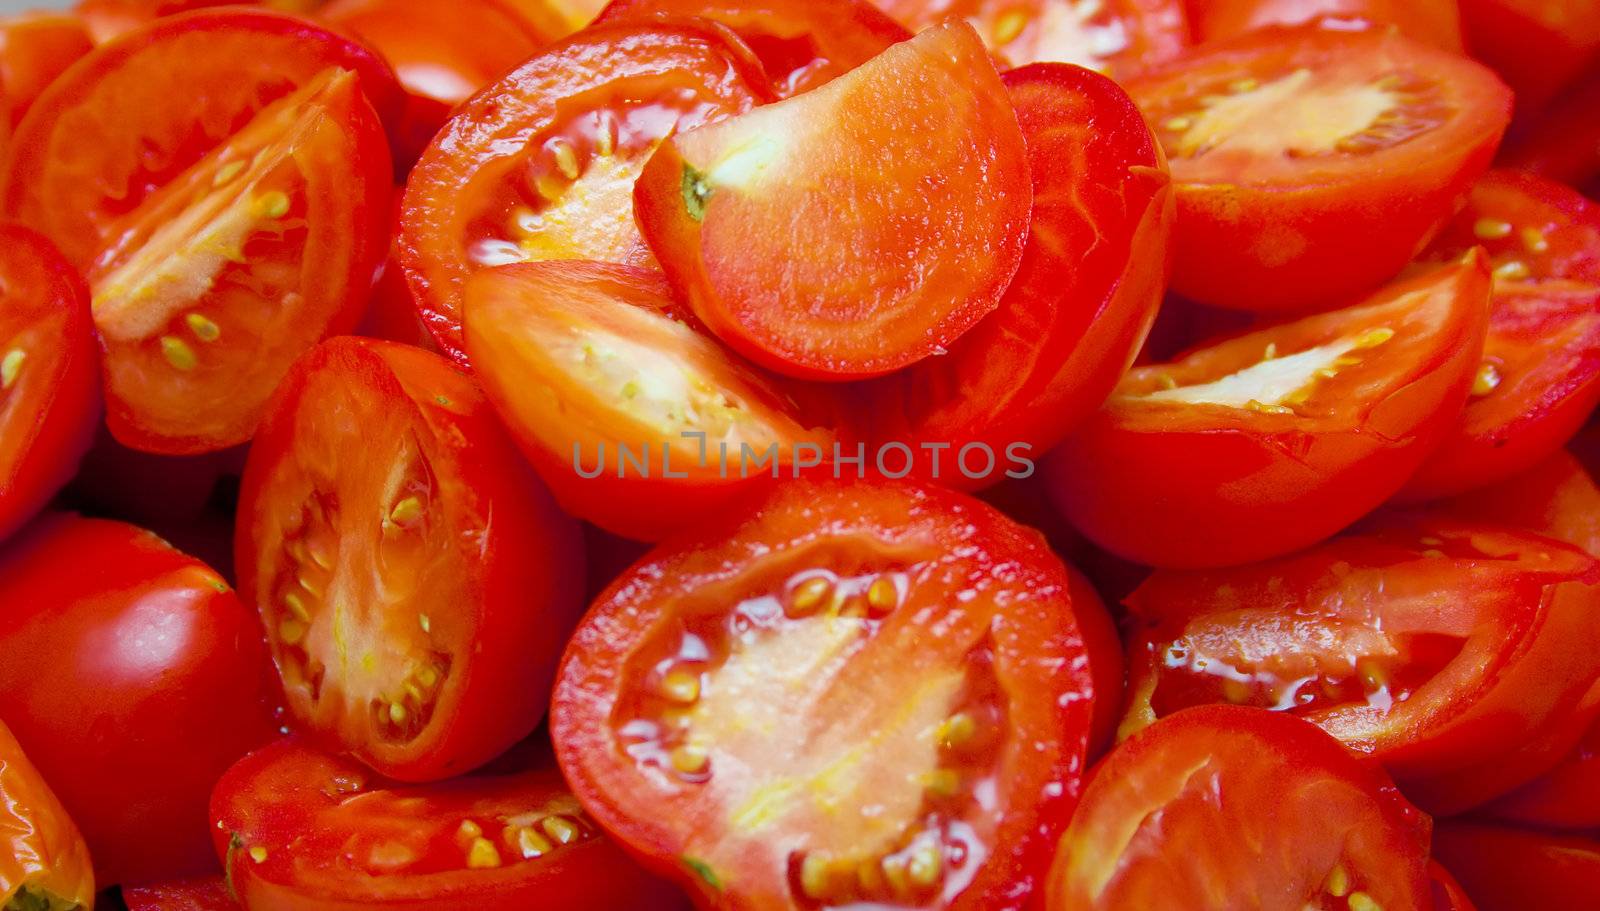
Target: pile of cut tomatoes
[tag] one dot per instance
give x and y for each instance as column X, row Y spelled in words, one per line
column 788, row 455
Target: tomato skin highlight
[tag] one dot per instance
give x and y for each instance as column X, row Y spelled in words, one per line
column 492, row 545
column 43, row 855
column 150, row 646
column 1506, row 869
column 1437, row 22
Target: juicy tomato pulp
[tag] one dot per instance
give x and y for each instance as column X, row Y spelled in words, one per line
column 641, row 424
column 114, row 632
column 745, row 216
column 415, row 578
column 541, row 165
column 1271, row 441
column 222, row 232
column 299, row 830
column 1115, row 37
column 1312, row 163
column 1504, row 869
column 1222, row 802
column 49, row 394
column 1437, row 22
column 43, row 860
column 191, row 895
column 851, row 694
column 802, row 45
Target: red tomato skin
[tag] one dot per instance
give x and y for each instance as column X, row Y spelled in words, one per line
column 35, row 49
column 1538, row 47
column 209, row 894
column 65, row 420
column 1506, row 869
column 118, row 651
column 1561, row 142
column 1437, row 22
column 1447, row 892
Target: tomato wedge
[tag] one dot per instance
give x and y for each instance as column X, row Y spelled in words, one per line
column 49, row 393
column 1313, row 163
column 43, row 860
column 223, row 235
column 1437, row 22
column 35, row 48
column 1271, row 441
column 1537, row 46
column 190, row 895
column 1114, row 37
column 1223, row 807
column 415, row 578
column 802, row 46
column 541, row 165
column 1504, row 869
column 745, row 219
column 639, row 423
column 844, row 695
column 300, row 830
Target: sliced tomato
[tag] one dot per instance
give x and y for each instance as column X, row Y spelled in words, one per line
column 49, row 390
column 1536, row 45
column 1535, row 230
column 843, row 695
column 190, row 895
column 1271, row 441
column 1222, row 807
column 44, row 862
column 541, row 165
column 1115, row 37
column 1504, row 869
column 802, row 46
column 35, row 48
column 415, row 578
column 557, row 17
column 1447, row 892
column 220, row 236
column 1437, row 22
column 639, row 423
column 110, row 19
column 1313, row 163
column 300, row 830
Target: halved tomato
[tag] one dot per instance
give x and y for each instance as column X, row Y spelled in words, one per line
column 44, row 863
column 1538, row 46
column 223, row 231
column 639, row 423
column 1437, row 22
column 35, row 48
column 1436, row 645
column 1312, row 163
column 541, row 165
column 845, row 695
column 557, row 17
column 416, row 580
column 190, row 895
column 109, row 19
column 745, row 216
column 300, row 830
column 1114, row 37
column 1271, row 441
column 802, row 45
column 1535, row 230
column 49, row 394
column 1505, row 869
column 1222, row 807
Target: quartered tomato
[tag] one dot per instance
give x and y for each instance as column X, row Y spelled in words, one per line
column 416, row 579
column 49, row 390
column 639, row 423
column 1313, row 163
column 44, row 863
column 1115, row 37
column 1222, row 807
column 541, row 165
column 35, row 48
column 745, row 215
column 1447, row 892
column 1536, row 232
column 133, row 677
column 802, row 45
column 1538, row 46
column 847, row 695
column 191, row 895
column 1504, row 869
column 1274, row 440
column 1437, row 22
column 1435, row 645
column 300, row 830
column 222, row 231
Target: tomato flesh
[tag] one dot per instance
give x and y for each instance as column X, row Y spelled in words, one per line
column 35, row 48
column 190, row 895
column 1437, row 22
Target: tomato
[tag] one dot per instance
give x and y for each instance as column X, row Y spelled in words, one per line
column 1447, row 893
column 1271, row 441
column 557, row 17
column 1438, row 646
column 301, row 830
column 1313, row 163
column 415, row 578
column 110, row 19
column 1504, row 869
column 1562, row 142
column 541, row 165
column 745, row 216
column 44, row 862
column 639, row 423
column 1538, row 46
column 1223, row 807
column 222, row 234
column 1082, row 302
column 1116, row 37
column 802, row 46
column 1437, row 22
column 1536, row 232
column 133, row 677
column 35, row 48
column 842, row 694
column 190, row 895
column 49, row 393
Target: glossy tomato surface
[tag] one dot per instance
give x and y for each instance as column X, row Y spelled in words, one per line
column 133, row 677
column 35, row 48
column 209, row 894
column 43, row 860
column 1537, row 45
column 1505, row 869
column 846, row 693
column 415, row 578
column 1437, row 22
